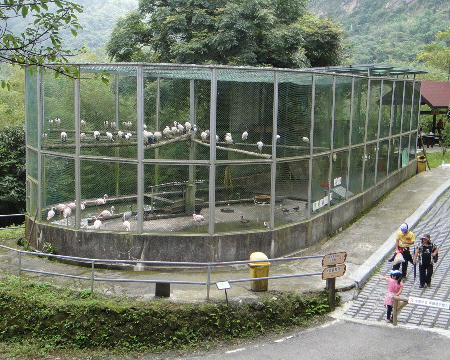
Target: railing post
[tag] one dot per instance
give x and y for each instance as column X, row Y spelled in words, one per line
column 20, row 264
column 208, row 282
column 92, row 276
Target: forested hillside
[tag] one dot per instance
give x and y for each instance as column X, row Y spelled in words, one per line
column 380, row 31
column 97, row 19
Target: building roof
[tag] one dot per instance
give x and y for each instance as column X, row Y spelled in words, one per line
column 436, row 94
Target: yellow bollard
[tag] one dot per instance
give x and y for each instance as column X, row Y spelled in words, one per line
column 259, row 269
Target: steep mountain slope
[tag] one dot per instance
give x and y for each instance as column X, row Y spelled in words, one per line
column 386, row 30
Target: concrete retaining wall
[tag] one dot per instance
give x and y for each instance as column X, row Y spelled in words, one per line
column 222, row 247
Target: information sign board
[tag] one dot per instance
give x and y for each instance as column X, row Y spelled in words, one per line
column 334, row 258
column 333, row 271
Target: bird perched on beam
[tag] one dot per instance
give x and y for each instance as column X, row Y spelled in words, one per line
column 229, row 138
column 260, row 145
column 97, row 135
column 245, row 135
column 63, row 136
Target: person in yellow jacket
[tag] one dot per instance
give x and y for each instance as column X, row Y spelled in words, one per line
column 405, row 239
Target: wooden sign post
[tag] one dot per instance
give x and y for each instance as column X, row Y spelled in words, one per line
column 333, row 267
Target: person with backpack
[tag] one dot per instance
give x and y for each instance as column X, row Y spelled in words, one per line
column 425, row 255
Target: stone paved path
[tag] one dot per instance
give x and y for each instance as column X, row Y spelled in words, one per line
column 369, row 302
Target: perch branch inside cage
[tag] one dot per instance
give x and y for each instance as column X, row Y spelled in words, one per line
column 250, row 153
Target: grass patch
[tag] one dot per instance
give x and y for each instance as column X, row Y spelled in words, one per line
column 37, row 318
column 435, row 159
column 11, row 234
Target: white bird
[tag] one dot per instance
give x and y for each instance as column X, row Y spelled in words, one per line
column 102, row 201
column 174, row 130
column 120, row 134
column 113, row 125
column 144, row 126
column 278, row 137
column 260, row 145
column 305, row 139
column 82, row 136
column 198, row 218
column 157, row 135
column 51, row 213
column 109, row 136
column 44, row 136
column 72, row 205
column 127, row 225
column 124, row 123
column 128, row 136
column 245, row 135
column 50, row 121
column 97, row 135
column 204, row 136
column 83, row 205
column 188, row 126
column 127, row 214
column 180, row 128
column 106, row 123
column 67, row 212
column 107, row 213
column 129, row 124
column 228, row 138
column 167, row 132
column 97, row 224
column 217, row 138
column 82, row 123
column 60, row 207
column 57, row 121
column 63, row 136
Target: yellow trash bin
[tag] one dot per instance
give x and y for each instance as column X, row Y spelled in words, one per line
column 257, row 270
column 421, row 163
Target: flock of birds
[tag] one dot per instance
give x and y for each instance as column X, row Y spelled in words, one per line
column 169, row 132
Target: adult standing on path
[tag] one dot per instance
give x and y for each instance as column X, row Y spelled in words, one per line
column 404, row 240
column 425, row 254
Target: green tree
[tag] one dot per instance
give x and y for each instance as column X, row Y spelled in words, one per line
column 277, row 33
column 40, row 41
column 437, row 54
column 12, row 170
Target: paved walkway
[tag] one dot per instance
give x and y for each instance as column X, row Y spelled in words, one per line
column 361, row 240
column 369, row 303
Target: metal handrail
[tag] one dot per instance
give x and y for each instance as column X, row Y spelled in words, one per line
column 207, row 265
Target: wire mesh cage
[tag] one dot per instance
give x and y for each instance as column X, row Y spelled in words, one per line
column 203, row 150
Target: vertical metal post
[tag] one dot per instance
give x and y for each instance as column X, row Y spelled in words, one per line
column 27, row 197
column 116, row 150
column 418, row 115
column 273, row 168
column 40, row 120
column 378, row 131
column 311, row 144
column 140, row 149
column 330, row 169
column 190, row 195
column 352, row 98
column 157, row 115
column 77, row 155
column 410, row 119
column 401, row 127
column 92, row 276
column 395, row 311
column 365, row 135
column 208, row 282
column 212, row 152
column 391, row 120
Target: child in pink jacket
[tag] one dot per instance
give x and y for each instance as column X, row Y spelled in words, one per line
column 395, row 287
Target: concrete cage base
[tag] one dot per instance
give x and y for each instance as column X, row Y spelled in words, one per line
column 204, row 248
